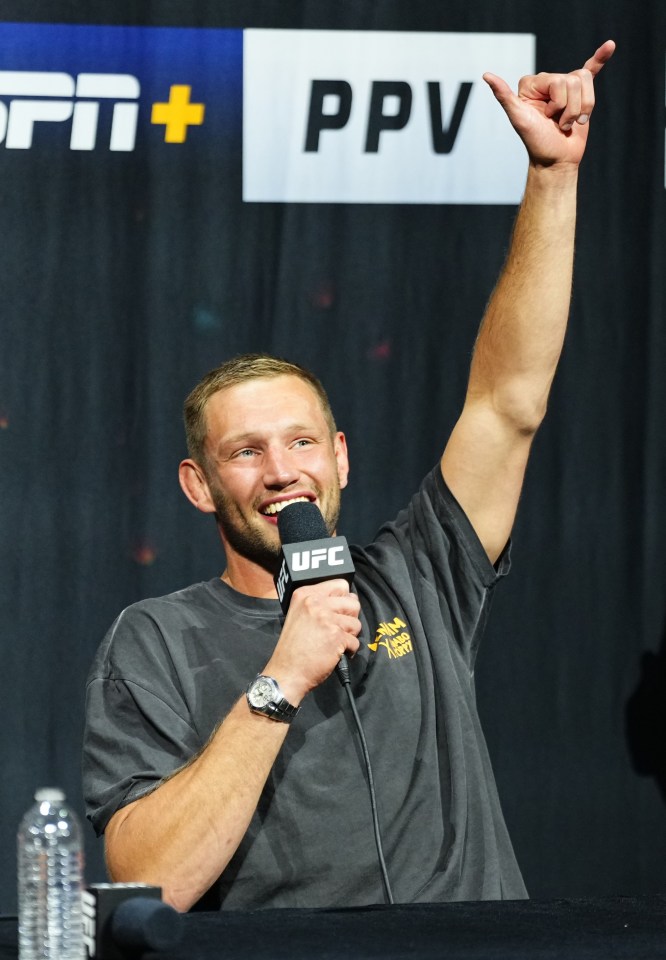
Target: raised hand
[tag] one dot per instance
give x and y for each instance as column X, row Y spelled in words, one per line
column 551, row 111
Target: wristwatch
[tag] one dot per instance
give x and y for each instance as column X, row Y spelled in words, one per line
column 264, row 696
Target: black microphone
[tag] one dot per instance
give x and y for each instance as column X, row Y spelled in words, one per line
column 127, row 919
column 310, row 556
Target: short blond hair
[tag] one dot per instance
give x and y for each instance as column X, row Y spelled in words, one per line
column 248, row 366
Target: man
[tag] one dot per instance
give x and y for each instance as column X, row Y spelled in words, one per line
column 199, row 790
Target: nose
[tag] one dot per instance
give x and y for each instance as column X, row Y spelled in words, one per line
column 279, row 468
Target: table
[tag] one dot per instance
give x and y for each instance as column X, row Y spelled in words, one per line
column 599, row 929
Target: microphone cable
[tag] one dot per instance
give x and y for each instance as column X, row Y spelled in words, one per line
column 302, row 523
column 342, row 671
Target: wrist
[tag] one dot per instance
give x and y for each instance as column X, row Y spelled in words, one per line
column 559, row 175
column 291, row 685
column 551, row 193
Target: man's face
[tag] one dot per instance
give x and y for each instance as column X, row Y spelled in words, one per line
column 267, row 444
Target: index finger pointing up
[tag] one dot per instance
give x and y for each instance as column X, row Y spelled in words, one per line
column 600, row 57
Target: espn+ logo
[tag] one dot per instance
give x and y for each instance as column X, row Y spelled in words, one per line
column 31, row 97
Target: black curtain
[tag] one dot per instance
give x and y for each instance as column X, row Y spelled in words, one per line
column 123, row 279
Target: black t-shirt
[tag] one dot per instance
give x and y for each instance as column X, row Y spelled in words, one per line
column 171, row 668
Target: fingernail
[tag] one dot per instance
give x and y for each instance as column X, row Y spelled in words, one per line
column 583, row 118
column 567, row 126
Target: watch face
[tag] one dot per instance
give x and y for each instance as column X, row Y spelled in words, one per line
column 261, row 692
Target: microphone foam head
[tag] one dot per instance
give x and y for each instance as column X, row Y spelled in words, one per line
column 301, row 521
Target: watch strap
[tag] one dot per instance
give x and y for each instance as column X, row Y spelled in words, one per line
column 281, row 710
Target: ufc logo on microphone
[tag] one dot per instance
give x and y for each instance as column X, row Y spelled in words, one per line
column 89, row 910
column 313, row 559
column 282, row 581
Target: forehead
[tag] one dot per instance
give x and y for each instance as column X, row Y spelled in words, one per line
column 262, row 404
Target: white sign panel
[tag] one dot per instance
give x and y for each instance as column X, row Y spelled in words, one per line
column 380, row 117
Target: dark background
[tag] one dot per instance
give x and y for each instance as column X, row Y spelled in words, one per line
column 121, row 284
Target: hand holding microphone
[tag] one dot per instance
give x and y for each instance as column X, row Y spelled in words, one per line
column 314, row 588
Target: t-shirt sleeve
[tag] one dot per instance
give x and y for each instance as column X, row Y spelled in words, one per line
column 435, row 501
column 434, row 549
column 136, row 719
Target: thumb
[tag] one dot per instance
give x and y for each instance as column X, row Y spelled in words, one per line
column 509, row 101
column 501, row 89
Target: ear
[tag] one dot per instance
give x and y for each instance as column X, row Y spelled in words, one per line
column 342, row 458
column 195, row 486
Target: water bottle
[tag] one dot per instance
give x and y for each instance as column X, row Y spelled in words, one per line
column 50, row 880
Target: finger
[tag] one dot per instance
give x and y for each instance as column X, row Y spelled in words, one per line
column 510, row 103
column 327, row 588
column 338, row 588
column 345, row 606
column 353, row 643
column 500, row 88
column 587, row 98
column 347, row 642
column 349, row 625
column 600, row 57
column 555, row 92
column 569, row 97
column 539, row 86
column 572, row 110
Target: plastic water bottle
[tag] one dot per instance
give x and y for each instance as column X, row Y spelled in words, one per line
column 50, row 880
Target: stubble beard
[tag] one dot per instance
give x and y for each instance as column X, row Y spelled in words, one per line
column 254, row 543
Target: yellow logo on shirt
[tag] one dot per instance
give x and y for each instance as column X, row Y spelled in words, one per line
column 389, row 636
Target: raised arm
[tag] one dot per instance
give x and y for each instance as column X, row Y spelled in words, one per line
column 522, row 332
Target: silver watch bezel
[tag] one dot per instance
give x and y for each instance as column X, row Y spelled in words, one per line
column 277, row 708
column 276, row 693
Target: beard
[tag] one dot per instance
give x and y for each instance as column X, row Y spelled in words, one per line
column 259, row 544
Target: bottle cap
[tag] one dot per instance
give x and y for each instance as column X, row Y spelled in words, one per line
column 49, row 794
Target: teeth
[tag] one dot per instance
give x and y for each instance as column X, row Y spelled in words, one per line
column 274, row 508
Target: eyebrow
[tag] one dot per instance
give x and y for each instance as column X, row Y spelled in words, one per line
column 250, row 436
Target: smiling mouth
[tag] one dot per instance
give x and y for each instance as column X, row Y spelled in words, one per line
column 273, row 509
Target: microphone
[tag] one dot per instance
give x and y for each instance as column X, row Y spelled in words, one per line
column 310, row 556
column 127, row 919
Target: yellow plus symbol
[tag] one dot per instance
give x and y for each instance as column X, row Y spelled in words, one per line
column 178, row 114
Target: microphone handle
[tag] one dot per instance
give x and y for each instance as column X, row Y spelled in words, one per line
column 342, row 670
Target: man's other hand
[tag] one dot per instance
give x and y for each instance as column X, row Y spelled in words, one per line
column 551, row 111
